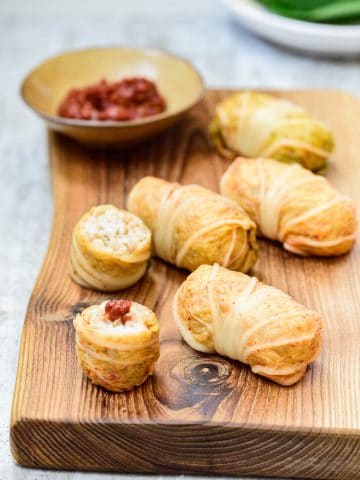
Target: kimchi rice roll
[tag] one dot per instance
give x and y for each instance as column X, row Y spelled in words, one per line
column 110, row 249
column 117, row 343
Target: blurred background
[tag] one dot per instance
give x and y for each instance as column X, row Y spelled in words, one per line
column 204, row 31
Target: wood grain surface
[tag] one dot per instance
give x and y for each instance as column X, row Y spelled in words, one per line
column 198, row 413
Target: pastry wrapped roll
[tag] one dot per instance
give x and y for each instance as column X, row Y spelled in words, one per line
column 258, row 125
column 192, row 225
column 110, row 249
column 292, row 205
column 117, row 343
column 230, row 313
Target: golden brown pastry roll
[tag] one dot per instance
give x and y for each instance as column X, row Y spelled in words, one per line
column 192, row 225
column 117, row 343
column 230, row 313
column 110, row 249
column 257, row 125
column 292, row 205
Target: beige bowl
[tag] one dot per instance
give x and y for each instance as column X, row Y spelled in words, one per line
column 46, row 86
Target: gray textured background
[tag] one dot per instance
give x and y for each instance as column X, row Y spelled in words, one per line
column 30, row 31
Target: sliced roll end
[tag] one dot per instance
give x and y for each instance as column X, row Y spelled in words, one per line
column 117, row 349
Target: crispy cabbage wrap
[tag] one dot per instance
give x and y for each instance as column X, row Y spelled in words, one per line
column 117, row 343
column 110, row 249
column 192, row 225
column 253, row 124
column 292, row 205
column 235, row 315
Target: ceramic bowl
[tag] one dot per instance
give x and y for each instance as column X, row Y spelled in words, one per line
column 310, row 37
column 46, row 86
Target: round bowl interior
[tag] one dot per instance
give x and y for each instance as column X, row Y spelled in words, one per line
column 46, row 86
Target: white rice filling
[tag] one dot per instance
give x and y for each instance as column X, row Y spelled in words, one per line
column 116, row 231
column 99, row 322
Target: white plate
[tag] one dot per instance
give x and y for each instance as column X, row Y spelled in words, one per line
column 308, row 36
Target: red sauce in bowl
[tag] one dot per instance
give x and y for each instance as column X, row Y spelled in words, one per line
column 127, row 99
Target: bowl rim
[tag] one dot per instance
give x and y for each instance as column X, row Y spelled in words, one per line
column 106, row 123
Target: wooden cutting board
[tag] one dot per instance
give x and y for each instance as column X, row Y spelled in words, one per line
column 198, row 413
